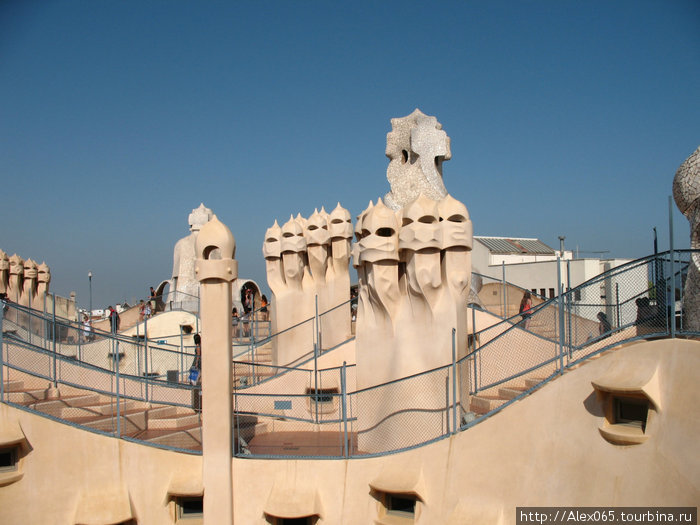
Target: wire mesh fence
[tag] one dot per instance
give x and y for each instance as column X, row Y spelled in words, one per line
column 108, row 383
column 501, row 297
column 303, row 411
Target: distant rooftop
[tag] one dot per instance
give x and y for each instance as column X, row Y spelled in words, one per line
column 506, row 245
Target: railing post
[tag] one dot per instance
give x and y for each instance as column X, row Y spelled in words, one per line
column 252, row 360
column 2, row 351
column 503, row 288
column 454, row 383
column 569, row 300
column 316, row 382
column 474, row 355
column 182, row 356
column 318, row 327
column 617, row 302
column 560, row 305
column 45, row 341
column 255, row 320
column 138, row 351
column 116, row 365
column 344, row 390
column 316, row 352
column 681, row 298
column 79, row 329
column 672, row 320
column 147, row 377
column 55, row 379
column 29, row 331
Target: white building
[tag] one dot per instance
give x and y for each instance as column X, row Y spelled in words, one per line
column 532, row 265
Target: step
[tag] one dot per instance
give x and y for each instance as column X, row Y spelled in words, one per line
column 258, row 360
column 130, row 422
column 510, row 392
column 82, row 406
column 82, row 400
column 159, row 411
column 533, row 381
column 249, row 431
column 174, row 419
column 246, row 380
column 187, row 438
column 15, row 385
column 26, row 397
column 481, row 404
column 110, row 410
column 249, row 369
column 178, row 422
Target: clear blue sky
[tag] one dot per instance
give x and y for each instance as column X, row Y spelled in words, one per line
column 119, row 117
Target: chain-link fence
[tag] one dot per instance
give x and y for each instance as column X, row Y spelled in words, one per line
column 505, row 360
column 304, row 411
column 502, row 298
column 108, row 383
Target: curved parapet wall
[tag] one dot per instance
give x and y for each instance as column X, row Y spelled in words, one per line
column 552, row 439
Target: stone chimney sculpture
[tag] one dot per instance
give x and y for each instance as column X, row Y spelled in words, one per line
column 184, row 288
column 4, row 271
column 416, row 147
column 27, row 297
column 686, row 193
column 413, row 257
column 307, row 263
column 43, row 281
column 412, row 253
column 14, row 285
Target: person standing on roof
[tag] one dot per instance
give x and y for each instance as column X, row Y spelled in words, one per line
column 525, row 310
column 153, row 299
column 113, row 319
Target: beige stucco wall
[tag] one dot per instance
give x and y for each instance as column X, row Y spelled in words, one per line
column 543, row 450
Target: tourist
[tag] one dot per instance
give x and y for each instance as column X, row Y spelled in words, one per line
column 147, row 312
column 525, row 309
column 197, row 363
column 235, row 319
column 247, row 301
column 153, row 299
column 353, row 304
column 195, row 376
column 87, row 328
column 263, row 308
column 604, row 327
column 142, row 311
column 114, row 319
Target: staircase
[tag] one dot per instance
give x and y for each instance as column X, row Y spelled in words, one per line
column 159, row 424
column 492, row 398
column 247, row 372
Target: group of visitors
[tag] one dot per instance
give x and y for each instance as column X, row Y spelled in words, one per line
column 248, row 314
column 604, row 326
column 145, row 310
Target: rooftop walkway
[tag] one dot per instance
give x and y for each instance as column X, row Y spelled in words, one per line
column 280, row 412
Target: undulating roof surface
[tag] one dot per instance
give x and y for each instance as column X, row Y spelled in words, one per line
column 523, row 246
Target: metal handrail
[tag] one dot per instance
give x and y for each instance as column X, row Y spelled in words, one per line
column 507, row 328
